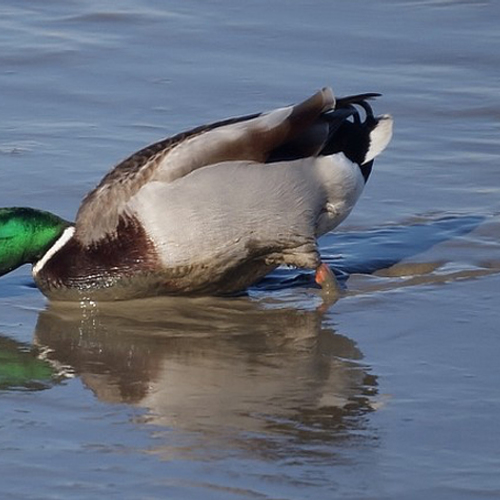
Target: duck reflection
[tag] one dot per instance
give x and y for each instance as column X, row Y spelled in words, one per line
column 23, row 367
column 234, row 370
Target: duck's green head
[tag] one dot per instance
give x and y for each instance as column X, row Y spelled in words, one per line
column 25, row 235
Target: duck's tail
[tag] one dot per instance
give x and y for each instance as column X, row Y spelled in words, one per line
column 360, row 136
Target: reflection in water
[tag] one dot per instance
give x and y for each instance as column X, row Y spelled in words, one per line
column 226, row 373
column 245, row 374
column 23, row 367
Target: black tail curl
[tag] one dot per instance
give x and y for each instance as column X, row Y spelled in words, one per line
column 349, row 131
column 344, row 129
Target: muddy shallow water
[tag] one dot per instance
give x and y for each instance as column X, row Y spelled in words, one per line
column 391, row 392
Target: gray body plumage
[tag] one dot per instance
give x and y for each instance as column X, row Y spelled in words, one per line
column 214, row 209
column 235, row 211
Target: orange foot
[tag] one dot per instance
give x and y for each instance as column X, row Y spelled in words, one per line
column 326, row 279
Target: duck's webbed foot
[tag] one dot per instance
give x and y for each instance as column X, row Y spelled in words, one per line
column 307, row 257
column 327, row 281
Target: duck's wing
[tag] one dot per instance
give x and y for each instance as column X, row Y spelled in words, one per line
column 250, row 138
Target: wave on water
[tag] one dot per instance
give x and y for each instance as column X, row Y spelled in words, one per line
column 407, row 250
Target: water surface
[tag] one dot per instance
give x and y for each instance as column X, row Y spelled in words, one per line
column 391, row 392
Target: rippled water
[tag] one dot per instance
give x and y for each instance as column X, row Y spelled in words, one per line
column 391, row 392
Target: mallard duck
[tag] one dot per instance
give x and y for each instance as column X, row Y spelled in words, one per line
column 208, row 211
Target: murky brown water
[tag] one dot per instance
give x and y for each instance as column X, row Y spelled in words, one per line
column 392, row 392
